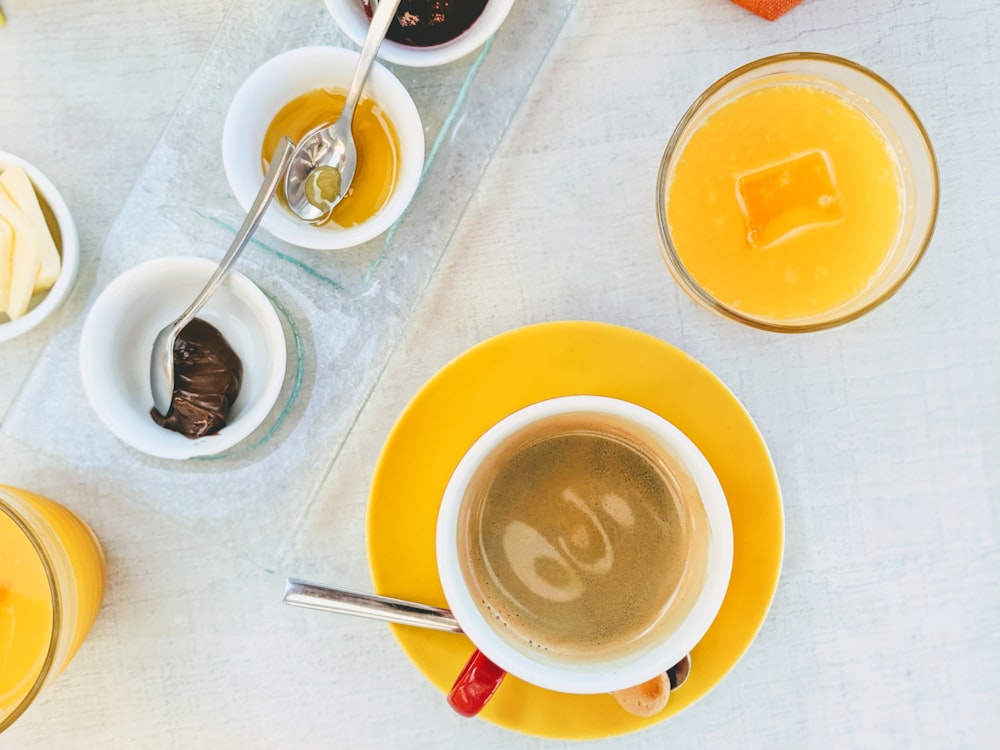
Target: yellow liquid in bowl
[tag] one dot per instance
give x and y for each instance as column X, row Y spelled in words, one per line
column 785, row 202
column 375, row 138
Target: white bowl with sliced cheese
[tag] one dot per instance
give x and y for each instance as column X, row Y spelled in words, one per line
column 39, row 247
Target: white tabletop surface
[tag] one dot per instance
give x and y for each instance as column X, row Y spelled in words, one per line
column 885, row 432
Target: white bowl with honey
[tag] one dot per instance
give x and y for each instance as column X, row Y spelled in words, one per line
column 303, row 89
column 39, row 247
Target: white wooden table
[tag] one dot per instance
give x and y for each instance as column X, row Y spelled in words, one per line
column 885, row 433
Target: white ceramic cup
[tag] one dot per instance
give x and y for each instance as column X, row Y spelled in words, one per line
column 600, row 674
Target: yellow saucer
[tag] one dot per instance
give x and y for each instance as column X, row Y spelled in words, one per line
column 543, row 361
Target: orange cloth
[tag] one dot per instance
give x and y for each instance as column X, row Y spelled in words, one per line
column 769, row 9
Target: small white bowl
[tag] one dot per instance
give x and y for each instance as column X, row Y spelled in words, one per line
column 271, row 87
column 350, row 16
column 68, row 244
column 118, row 336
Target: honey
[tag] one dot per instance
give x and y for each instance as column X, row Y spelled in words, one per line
column 375, row 138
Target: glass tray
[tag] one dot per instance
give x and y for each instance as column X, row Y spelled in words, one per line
column 342, row 310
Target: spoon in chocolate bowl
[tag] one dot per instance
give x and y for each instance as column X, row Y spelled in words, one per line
column 161, row 361
column 325, row 160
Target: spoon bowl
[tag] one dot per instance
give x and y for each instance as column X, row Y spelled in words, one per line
column 312, row 191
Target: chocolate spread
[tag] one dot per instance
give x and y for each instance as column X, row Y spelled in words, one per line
column 207, row 379
column 426, row 23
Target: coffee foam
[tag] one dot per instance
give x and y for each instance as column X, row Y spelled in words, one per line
column 582, row 536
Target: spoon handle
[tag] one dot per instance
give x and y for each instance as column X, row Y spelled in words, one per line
column 275, row 171
column 385, row 11
column 347, row 602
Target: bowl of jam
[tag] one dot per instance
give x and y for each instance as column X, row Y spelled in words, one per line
column 39, row 247
column 229, row 362
column 425, row 32
column 303, row 89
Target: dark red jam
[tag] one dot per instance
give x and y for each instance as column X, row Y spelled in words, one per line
column 427, row 23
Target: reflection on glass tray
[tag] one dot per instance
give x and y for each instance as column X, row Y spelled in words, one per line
column 342, row 310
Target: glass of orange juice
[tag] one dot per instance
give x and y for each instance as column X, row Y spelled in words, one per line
column 51, row 585
column 797, row 193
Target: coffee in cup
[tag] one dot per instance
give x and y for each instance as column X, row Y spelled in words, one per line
column 584, row 544
column 578, row 532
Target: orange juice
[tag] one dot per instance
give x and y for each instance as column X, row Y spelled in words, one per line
column 51, row 586
column 785, row 201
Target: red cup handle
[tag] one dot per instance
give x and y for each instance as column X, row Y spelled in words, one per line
column 475, row 685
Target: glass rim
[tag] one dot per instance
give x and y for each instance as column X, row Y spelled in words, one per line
column 677, row 268
column 9, row 500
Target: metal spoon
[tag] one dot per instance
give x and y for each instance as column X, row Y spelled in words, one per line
column 325, row 160
column 347, row 602
column 161, row 361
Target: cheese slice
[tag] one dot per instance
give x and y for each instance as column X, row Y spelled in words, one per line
column 25, row 259
column 17, row 184
column 6, row 251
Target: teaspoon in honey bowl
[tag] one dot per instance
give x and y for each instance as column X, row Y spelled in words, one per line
column 161, row 361
column 325, row 160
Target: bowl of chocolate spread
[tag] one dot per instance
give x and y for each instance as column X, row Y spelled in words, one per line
column 425, row 32
column 229, row 362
